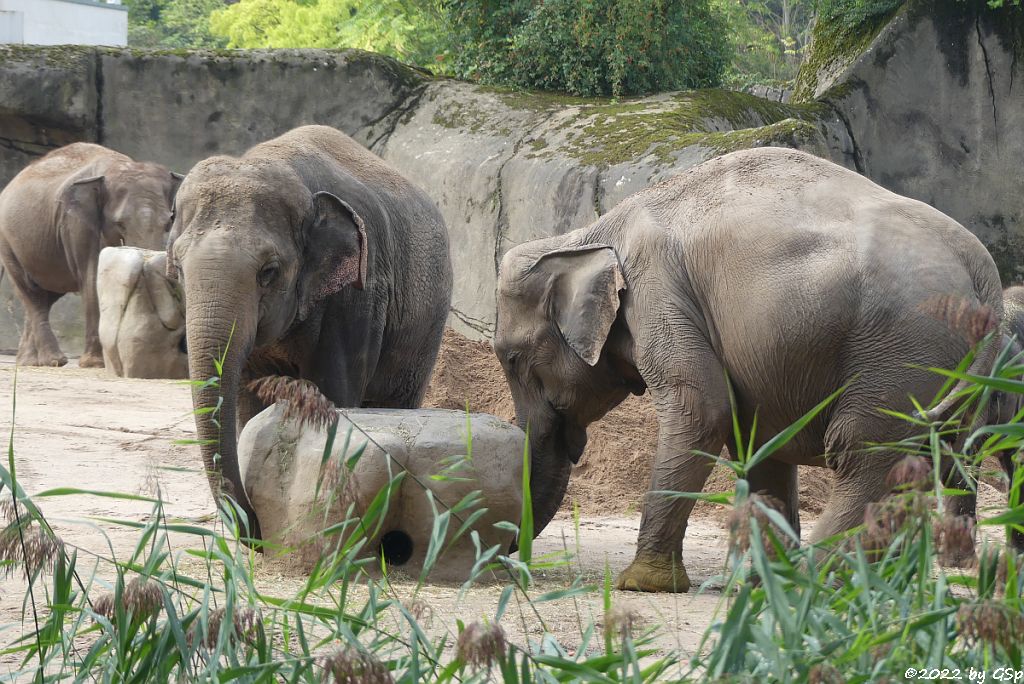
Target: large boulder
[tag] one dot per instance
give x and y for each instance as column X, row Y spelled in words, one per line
column 142, row 316
column 423, row 459
column 933, row 97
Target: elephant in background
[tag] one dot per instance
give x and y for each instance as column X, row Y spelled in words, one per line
column 56, row 216
column 1004, row 407
column 307, row 257
column 768, row 275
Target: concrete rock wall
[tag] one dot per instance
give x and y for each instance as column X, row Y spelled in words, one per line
column 936, row 107
column 929, row 109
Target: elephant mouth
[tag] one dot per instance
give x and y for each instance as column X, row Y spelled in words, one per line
column 569, row 436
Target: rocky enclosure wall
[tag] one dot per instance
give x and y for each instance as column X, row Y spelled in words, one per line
column 929, row 109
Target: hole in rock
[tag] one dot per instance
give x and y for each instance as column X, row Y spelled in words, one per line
column 396, row 547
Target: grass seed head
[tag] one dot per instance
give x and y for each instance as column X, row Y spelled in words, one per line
column 619, row 622
column 482, row 645
column 911, row 472
column 302, row 399
column 824, row 673
column 246, row 622
column 885, row 519
column 954, row 540
column 740, row 528
column 350, row 665
column 14, row 512
column 141, row 598
column 30, row 547
column 990, row 622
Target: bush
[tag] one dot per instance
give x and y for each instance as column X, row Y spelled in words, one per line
column 590, row 47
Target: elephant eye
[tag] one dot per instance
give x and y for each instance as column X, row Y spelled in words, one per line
column 267, row 275
column 511, row 358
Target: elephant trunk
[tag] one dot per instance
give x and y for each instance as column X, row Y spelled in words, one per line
column 220, row 333
column 555, row 444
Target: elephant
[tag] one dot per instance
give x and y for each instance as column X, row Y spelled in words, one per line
column 306, row 257
column 757, row 283
column 1003, row 407
column 56, row 216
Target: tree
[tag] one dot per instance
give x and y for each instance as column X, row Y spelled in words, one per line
column 770, row 38
column 590, row 47
column 172, row 23
column 410, row 30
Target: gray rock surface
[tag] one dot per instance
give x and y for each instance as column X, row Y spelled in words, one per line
column 142, row 315
column 935, row 104
column 296, row 495
column 926, row 105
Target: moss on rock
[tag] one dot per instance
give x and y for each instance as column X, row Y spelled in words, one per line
column 616, row 133
column 834, row 46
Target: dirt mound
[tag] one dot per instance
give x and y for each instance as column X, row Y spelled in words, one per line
column 614, row 472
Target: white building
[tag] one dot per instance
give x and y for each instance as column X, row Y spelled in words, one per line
column 63, row 22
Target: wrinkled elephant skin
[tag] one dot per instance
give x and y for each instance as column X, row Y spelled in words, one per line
column 307, row 257
column 767, row 275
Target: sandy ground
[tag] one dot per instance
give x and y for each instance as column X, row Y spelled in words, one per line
column 87, row 429
column 83, row 428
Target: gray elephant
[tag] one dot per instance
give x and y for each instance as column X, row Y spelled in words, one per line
column 768, row 274
column 308, row 257
column 56, row 216
column 1004, row 407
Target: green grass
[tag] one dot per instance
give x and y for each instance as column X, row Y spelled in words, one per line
column 861, row 608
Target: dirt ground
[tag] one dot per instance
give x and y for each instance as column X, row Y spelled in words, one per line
column 89, row 430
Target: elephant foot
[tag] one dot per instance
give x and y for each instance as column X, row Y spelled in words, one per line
column 654, row 572
column 33, row 358
column 89, row 360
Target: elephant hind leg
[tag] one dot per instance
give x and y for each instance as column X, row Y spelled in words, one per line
column 779, row 480
column 38, row 345
column 860, row 473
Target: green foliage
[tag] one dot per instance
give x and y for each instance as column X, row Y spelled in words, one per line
column 410, row 30
column 172, row 23
column 855, row 13
column 594, row 47
column 769, row 37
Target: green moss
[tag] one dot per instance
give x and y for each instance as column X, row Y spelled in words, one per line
column 462, row 115
column 54, row 56
column 538, row 144
column 835, row 45
column 612, row 134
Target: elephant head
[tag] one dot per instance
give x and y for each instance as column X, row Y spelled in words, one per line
column 130, row 201
column 565, row 350
column 256, row 252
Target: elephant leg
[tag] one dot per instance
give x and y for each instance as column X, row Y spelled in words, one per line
column 92, row 355
column 693, row 422
column 860, row 475
column 779, row 480
column 345, row 361
column 38, row 346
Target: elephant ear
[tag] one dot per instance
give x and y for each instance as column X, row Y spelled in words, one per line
column 335, row 253
column 81, row 212
column 583, row 295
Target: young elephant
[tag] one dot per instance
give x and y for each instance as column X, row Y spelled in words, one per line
column 770, row 270
column 56, row 216
column 307, row 257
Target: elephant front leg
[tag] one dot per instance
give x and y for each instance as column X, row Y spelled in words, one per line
column 92, row 355
column 690, row 430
